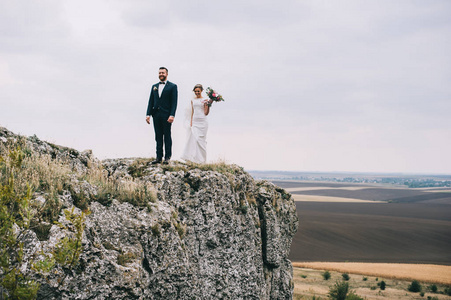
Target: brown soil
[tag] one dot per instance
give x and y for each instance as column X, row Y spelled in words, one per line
column 373, row 232
column 408, row 232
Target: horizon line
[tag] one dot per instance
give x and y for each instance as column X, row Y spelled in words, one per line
column 353, row 172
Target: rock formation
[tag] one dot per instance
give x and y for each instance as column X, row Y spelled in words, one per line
column 211, row 233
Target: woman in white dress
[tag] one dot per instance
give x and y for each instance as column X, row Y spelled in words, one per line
column 196, row 145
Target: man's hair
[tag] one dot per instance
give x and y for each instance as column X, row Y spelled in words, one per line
column 163, row 68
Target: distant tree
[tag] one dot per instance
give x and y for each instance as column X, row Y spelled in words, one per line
column 448, row 291
column 339, row 291
column 414, row 287
column 345, row 276
column 433, row 288
column 326, row 275
column 382, row 285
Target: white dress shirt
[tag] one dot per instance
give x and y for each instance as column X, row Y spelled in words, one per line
column 160, row 88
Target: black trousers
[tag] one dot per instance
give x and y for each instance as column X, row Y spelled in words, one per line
column 162, row 134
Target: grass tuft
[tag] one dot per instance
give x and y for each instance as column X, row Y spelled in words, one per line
column 125, row 258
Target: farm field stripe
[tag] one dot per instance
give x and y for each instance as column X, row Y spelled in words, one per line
column 348, row 188
column 431, row 190
column 421, row 272
column 314, row 198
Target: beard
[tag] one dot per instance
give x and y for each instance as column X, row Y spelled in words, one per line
column 162, row 77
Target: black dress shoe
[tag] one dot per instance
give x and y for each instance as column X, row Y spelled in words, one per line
column 166, row 161
column 157, row 161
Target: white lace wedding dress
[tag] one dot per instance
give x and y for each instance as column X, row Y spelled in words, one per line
column 196, row 144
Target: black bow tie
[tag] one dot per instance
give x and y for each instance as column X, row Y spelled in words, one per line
column 162, row 82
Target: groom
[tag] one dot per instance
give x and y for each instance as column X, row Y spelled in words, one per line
column 162, row 106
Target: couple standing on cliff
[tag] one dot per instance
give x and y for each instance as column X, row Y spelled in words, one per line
column 162, row 106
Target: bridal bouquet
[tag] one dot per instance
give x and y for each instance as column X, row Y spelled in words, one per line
column 213, row 95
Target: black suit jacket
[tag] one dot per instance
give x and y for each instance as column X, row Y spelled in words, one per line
column 167, row 103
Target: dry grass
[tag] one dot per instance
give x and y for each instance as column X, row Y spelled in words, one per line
column 38, row 173
column 220, row 166
column 314, row 198
column 41, row 172
column 51, row 177
column 309, row 284
column 422, row 272
column 131, row 190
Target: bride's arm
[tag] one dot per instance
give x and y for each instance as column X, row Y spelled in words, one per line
column 192, row 113
column 206, row 109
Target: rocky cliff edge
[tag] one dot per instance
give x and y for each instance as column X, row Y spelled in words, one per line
column 190, row 232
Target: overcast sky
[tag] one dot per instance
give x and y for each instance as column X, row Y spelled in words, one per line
column 308, row 85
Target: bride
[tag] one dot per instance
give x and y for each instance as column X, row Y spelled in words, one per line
column 196, row 145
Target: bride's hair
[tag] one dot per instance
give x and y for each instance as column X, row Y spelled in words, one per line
column 198, row 86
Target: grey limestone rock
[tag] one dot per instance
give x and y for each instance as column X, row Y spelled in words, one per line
column 210, row 235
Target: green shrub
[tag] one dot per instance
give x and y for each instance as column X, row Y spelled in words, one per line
column 433, row 288
column 447, row 291
column 414, row 287
column 345, row 276
column 156, row 230
column 67, row 252
column 326, row 275
column 353, row 296
column 138, row 167
column 382, row 285
column 181, row 229
column 422, row 294
column 339, row 291
column 15, row 211
column 365, row 278
column 17, row 214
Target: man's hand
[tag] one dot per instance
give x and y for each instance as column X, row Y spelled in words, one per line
column 148, row 119
column 171, row 119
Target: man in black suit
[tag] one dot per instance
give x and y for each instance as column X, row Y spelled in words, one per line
column 162, row 106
